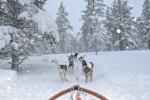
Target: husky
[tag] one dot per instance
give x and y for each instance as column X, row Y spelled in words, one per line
column 75, row 56
column 62, row 70
column 87, row 69
column 88, row 72
column 71, row 63
column 83, row 61
column 72, row 58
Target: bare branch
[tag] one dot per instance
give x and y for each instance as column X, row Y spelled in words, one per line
column 21, row 60
column 25, row 24
column 9, row 62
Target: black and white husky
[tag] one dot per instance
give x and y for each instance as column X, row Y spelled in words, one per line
column 87, row 69
column 75, row 56
column 62, row 70
column 83, row 62
column 72, row 59
column 71, row 64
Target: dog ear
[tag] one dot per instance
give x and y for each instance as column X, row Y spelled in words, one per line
column 80, row 58
column 91, row 64
column 52, row 61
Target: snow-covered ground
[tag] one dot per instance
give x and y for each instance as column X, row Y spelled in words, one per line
column 117, row 75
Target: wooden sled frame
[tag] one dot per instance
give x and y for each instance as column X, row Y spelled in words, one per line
column 77, row 87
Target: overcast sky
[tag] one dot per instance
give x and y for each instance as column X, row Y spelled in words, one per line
column 75, row 7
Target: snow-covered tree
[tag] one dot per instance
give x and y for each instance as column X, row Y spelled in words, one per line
column 63, row 26
column 40, row 3
column 47, row 35
column 2, row 16
column 91, row 28
column 143, row 27
column 22, row 16
column 119, row 24
column 107, row 25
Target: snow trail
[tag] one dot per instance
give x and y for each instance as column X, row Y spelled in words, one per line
column 117, row 75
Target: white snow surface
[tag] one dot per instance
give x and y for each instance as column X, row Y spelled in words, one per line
column 117, row 75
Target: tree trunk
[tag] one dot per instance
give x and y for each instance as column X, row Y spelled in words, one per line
column 96, row 44
column 86, row 44
column 149, row 44
column 62, row 48
column 14, row 57
column 120, row 42
column 64, row 44
column 121, row 45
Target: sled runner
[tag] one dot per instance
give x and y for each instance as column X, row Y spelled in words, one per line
column 78, row 88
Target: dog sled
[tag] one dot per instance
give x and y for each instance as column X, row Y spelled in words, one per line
column 77, row 97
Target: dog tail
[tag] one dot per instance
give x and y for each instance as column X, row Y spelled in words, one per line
column 92, row 65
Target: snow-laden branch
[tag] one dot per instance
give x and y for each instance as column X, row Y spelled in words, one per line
column 5, row 35
column 25, row 2
column 46, row 23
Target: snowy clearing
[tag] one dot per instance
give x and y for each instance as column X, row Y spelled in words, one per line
column 117, row 75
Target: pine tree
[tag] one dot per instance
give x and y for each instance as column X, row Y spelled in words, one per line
column 2, row 15
column 119, row 24
column 63, row 26
column 108, row 26
column 22, row 29
column 92, row 23
column 40, row 3
column 143, row 26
